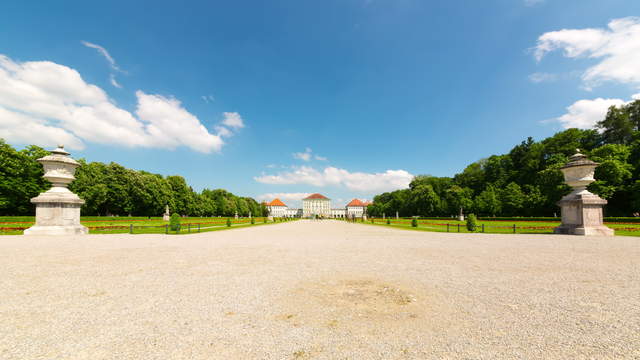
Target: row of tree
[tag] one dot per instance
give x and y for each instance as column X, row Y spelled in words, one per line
column 527, row 181
column 111, row 189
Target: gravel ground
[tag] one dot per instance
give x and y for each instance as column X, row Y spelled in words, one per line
column 320, row 290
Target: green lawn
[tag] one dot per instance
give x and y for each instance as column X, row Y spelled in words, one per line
column 496, row 227
column 15, row 225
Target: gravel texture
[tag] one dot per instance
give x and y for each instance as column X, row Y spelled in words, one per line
column 319, row 290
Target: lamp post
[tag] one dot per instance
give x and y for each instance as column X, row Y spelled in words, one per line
column 581, row 210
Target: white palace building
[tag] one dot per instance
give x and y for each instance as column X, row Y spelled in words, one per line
column 318, row 205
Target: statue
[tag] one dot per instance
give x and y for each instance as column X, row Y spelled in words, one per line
column 166, row 216
column 58, row 209
column 581, row 210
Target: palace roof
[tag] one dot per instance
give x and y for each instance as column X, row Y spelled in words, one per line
column 356, row 203
column 316, row 196
column 276, row 202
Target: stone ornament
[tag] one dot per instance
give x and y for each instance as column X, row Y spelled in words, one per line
column 58, row 209
column 581, row 210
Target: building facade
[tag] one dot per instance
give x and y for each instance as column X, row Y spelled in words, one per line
column 277, row 208
column 356, row 209
column 316, row 205
column 338, row 213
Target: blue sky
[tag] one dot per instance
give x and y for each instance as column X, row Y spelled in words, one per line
column 346, row 98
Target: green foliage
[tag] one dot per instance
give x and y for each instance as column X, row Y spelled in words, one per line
column 527, row 181
column 174, row 222
column 388, row 222
column 472, row 222
column 414, row 222
column 228, row 222
column 111, row 189
column 20, row 179
column 265, row 219
column 253, row 220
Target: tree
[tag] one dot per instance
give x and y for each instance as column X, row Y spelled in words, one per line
column 487, row 202
column 459, row 198
column 20, row 179
column 512, row 199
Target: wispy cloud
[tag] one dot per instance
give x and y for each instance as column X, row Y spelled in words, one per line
column 304, row 156
column 208, row 98
column 113, row 81
column 307, row 155
column 533, row 2
column 102, row 51
column 541, row 77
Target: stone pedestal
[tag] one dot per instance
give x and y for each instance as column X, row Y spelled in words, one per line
column 581, row 210
column 582, row 215
column 58, row 209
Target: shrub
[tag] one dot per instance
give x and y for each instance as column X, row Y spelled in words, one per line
column 414, row 222
column 472, row 222
column 265, row 219
column 228, row 222
column 174, row 222
column 253, row 221
column 388, row 222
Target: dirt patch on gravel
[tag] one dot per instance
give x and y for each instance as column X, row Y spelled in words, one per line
column 353, row 301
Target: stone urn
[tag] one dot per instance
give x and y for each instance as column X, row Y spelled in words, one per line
column 581, row 210
column 58, row 209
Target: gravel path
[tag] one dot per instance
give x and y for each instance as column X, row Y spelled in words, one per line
column 320, row 290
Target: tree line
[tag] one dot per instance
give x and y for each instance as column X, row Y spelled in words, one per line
column 112, row 189
column 527, row 181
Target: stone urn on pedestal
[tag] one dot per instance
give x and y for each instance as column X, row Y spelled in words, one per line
column 581, row 210
column 58, row 209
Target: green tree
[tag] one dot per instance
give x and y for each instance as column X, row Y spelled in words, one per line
column 487, row 202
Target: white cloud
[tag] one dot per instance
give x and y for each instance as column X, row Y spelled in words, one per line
column 584, row 114
column 617, row 48
column 208, row 98
column 55, row 99
column 223, row 131
column 102, row 51
column 233, row 120
column 331, row 176
column 635, row 96
column 540, row 77
column 170, row 125
column 28, row 130
column 283, row 196
column 305, row 156
column 112, row 80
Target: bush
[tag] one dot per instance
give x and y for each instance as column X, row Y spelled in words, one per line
column 265, row 219
column 388, row 222
column 472, row 222
column 228, row 222
column 253, row 221
column 174, row 222
column 414, row 222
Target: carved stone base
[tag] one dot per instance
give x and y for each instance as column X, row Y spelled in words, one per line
column 166, row 217
column 57, row 230
column 57, row 213
column 582, row 215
